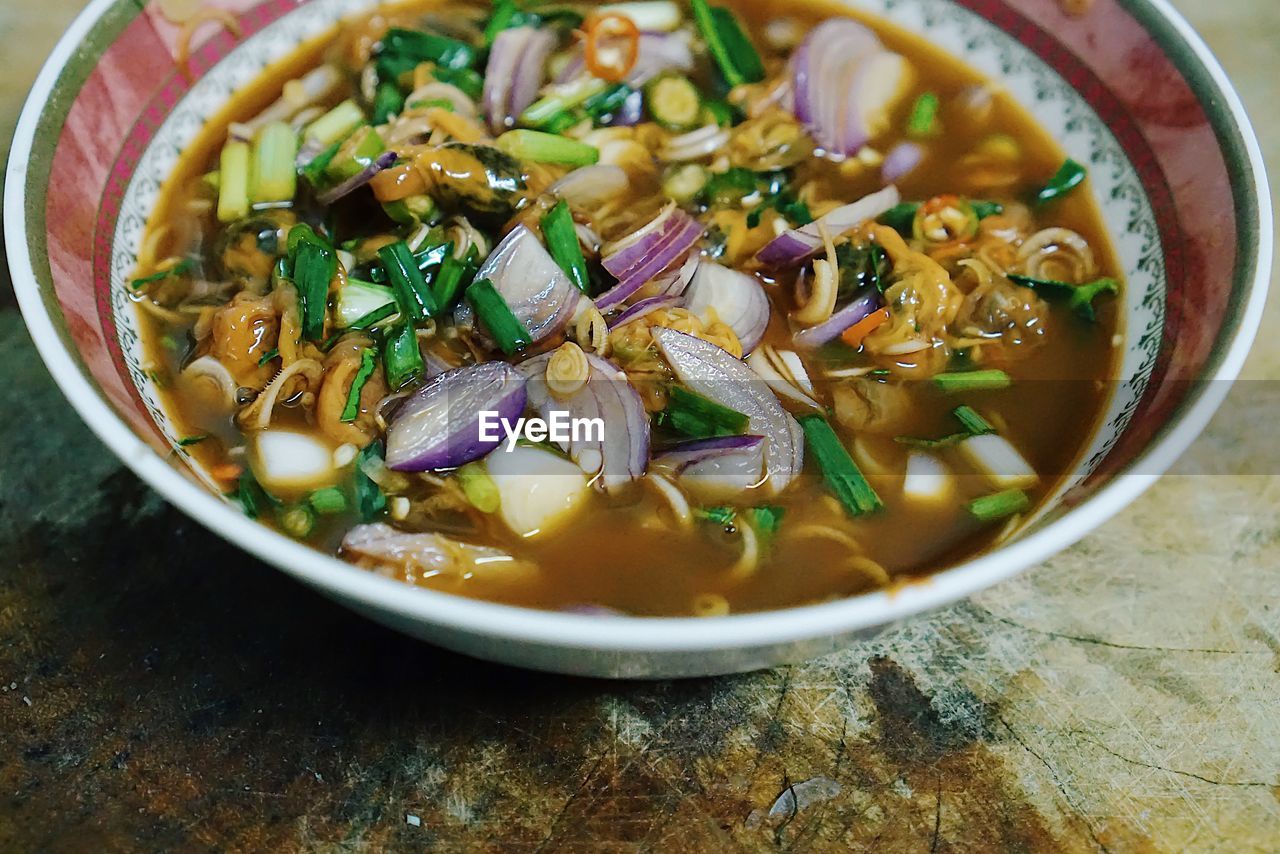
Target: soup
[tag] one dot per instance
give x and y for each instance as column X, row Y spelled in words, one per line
column 650, row 308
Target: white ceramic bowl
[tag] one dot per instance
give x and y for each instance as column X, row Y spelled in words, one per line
column 1131, row 91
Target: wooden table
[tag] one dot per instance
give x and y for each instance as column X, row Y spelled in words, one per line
column 159, row 688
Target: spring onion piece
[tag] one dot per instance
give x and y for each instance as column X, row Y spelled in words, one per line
column 900, row 217
column 368, row 361
column 412, row 294
column 547, row 148
column 274, row 178
column 335, row 125
column 1068, row 177
column 985, row 209
column 478, row 487
column 972, row 422
column 314, row 265
column 413, row 210
column 505, row 328
column 684, row 183
column 839, row 470
column 449, row 278
column 188, row 441
column 562, row 99
column 182, row 268
column 733, row 52
column 355, row 154
column 273, row 353
column 328, row 500
column 370, row 501
column 767, row 519
column 923, row 120
column 562, row 242
column 428, row 47
column 991, row 507
column 674, row 102
column 388, row 101
column 401, row 356
column 694, row 415
column 365, row 321
column 1080, row 297
column 314, row 170
column 608, row 102
column 233, row 182
column 720, row 113
column 959, row 381
column 298, row 521
column 506, row 14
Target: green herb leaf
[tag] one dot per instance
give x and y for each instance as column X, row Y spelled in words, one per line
column 328, row 501
column 959, row 381
column 562, row 242
column 1069, row 176
column 188, row 441
column 924, row 116
column 182, row 268
column 972, row 422
column 368, row 361
column 370, row 501
column 1080, row 297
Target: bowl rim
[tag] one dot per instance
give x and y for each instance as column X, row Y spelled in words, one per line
column 639, row 634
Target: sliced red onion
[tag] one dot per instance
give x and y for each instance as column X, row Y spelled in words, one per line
column 514, row 74
column 674, row 282
column 717, row 375
column 384, row 161
column 863, row 303
column 663, row 251
column 439, row 425
column 589, row 186
column 621, row 255
column 901, row 161
column 873, row 87
column 817, row 69
column 656, row 53
column 716, row 469
column 408, row 553
column 642, row 308
column 534, row 286
column 797, row 245
column 623, row 453
column 738, row 300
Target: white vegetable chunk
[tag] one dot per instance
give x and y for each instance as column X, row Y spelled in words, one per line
column 539, row 490
column 285, row 461
column 647, row 15
column 928, row 481
column 999, row 460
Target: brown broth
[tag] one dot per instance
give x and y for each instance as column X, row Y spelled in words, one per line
column 623, row 553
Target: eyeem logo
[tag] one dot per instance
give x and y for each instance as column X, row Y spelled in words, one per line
column 560, row 428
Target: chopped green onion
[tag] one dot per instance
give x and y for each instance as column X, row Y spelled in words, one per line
column 327, row 501
column 948, row 441
column 561, row 122
column 355, row 154
column 606, row 103
column 924, row 116
column 414, row 297
column 314, row 264
column 413, row 210
column 985, row 209
column 388, row 101
column 721, row 113
column 401, row 356
column 506, row 14
column 182, row 268
column 972, row 422
column 562, row 99
column 368, row 361
column 273, row 353
column 428, row 47
column 839, row 470
column 958, row 381
column 450, row 278
column 233, row 182
column 376, row 316
column 547, row 148
column 357, row 300
column 731, row 186
column 251, row 495
column 436, row 103
column 370, row 501
column 1068, row 177
column 1081, row 297
column 466, row 79
column 314, row 170
column 674, row 102
column 274, row 178
column 478, row 487
column 694, row 415
column 988, row 508
column 508, row 332
column 767, row 520
column 725, row 516
column 562, row 243
column 188, row 441
column 901, row 217
column 337, row 124
column 298, row 521
column 684, row 182
column 732, row 50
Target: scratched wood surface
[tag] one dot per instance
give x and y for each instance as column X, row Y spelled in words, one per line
column 159, row 689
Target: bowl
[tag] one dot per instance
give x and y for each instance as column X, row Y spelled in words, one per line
column 1127, row 88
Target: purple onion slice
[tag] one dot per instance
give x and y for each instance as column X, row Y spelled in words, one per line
column 622, row 455
column 738, row 300
column 716, row 469
column 859, row 307
column 642, row 308
column 385, row 160
column 717, row 375
column 664, row 254
column 439, row 425
column 901, row 161
column 797, row 245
